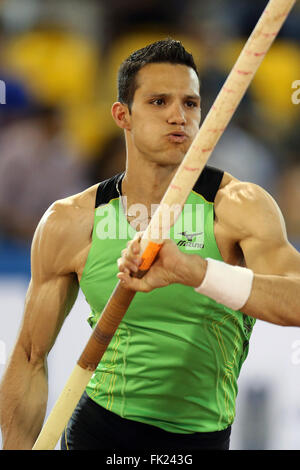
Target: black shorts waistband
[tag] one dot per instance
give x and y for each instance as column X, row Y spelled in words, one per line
column 93, row 427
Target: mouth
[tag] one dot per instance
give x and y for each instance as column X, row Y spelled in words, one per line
column 177, row 137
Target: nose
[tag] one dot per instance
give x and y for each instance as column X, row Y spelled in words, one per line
column 177, row 115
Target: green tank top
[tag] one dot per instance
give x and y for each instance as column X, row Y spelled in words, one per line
column 176, row 355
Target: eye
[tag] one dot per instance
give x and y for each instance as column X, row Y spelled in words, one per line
column 158, row 101
column 191, row 104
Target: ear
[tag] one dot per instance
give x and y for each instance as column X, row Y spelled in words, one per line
column 121, row 115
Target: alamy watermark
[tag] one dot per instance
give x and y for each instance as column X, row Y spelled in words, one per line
column 296, row 94
column 2, row 352
column 2, row 92
column 295, row 357
column 185, row 226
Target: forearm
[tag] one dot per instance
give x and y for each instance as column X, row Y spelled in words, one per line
column 272, row 298
column 23, row 402
column 191, row 271
column 275, row 299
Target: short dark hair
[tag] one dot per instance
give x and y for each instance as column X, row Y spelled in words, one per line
column 164, row 51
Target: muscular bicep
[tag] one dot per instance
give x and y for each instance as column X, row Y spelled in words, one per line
column 264, row 240
column 52, row 290
column 252, row 220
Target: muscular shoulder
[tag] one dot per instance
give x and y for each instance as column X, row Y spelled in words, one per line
column 71, row 215
column 72, row 209
column 247, row 209
column 64, row 231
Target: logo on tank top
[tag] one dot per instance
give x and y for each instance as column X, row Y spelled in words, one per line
column 189, row 229
column 191, row 240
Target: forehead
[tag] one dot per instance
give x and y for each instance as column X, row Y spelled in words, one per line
column 167, row 78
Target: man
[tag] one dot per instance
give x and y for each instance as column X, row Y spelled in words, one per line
column 168, row 377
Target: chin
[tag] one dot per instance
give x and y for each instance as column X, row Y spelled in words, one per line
column 171, row 162
column 177, row 155
column 168, row 155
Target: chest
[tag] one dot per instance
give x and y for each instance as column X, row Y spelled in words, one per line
column 196, row 231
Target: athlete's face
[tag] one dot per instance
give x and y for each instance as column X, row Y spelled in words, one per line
column 165, row 113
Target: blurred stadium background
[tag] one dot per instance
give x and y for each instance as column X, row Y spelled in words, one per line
column 59, row 59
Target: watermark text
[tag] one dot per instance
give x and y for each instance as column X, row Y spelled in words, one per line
column 2, row 92
column 2, row 352
column 295, row 358
column 296, row 94
column 185, row 225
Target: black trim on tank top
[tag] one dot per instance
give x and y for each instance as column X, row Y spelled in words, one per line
column 208, row 183
column 207, row 186
column 107, row 190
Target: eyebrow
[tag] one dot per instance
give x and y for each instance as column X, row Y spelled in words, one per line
column 166, row 95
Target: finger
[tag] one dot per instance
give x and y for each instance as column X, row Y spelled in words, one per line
column 133, row 247
column 128, row 260
column 127, row 266
column 136, row 247
column 122, row 267
column 133, row 283
column 125, row 280
column 132, row 253
column 138, row 236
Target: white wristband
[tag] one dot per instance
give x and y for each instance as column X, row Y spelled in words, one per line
column 226, row 284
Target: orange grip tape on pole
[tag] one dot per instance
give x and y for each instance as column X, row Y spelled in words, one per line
column 149, row 255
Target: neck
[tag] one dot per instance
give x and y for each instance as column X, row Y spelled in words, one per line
column 147, row 183
column 147, row 188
